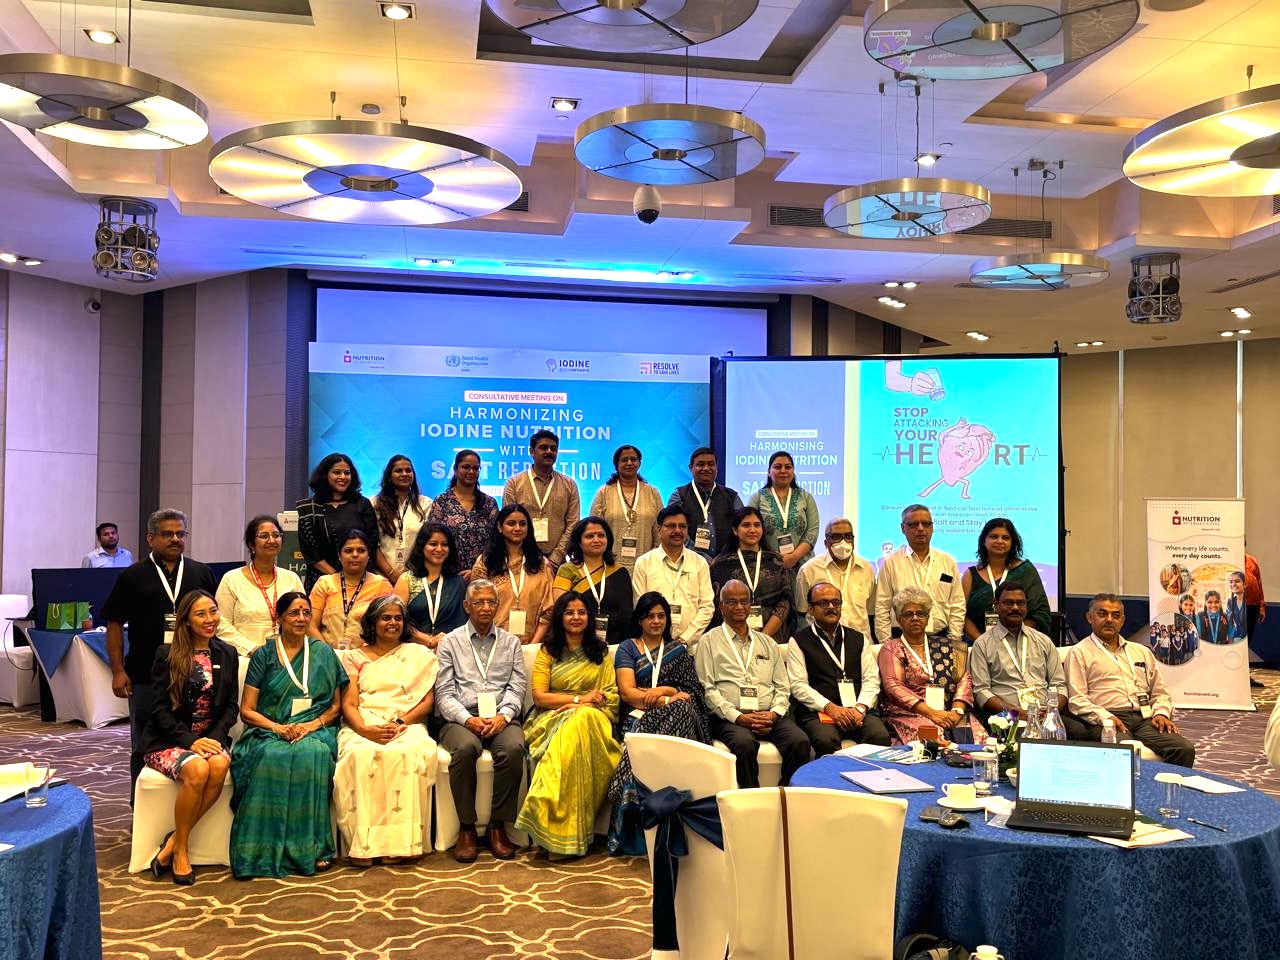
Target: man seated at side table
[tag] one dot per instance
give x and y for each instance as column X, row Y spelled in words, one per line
column 1013, row 663
column 108, row 552
column 479, row 694
column 835, row 678
column 747, row 690
column 1108, row 676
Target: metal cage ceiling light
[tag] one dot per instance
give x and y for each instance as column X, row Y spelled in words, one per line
column 624, row 26
column 352, row 171
column 1228, row 147
column 666, row 144
column 98, row 103
column 1051, row 270
column 126, row 240
column 909, row 208
column 988, row 39
column 1154, row 288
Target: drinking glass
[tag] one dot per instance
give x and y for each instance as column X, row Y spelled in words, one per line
column 1170, row 795
column 1136, row 747
column 986, row 771
column 37, row 792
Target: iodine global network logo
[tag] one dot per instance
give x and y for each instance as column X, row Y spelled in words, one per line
column 364, row 361
column 568, row 365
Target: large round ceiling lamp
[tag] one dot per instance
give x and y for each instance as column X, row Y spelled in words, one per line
column 351, row 171
column 669, row 143
column 1224, row 148
column 97, row 102
column 910, row 208
column 987, row 39
column 624, row 26
column 1052, row 270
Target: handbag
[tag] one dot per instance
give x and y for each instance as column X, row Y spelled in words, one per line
column 66, row 616
column 925, row 946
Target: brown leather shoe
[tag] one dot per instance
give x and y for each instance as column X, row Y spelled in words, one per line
column 499, row 845
column 465, row 850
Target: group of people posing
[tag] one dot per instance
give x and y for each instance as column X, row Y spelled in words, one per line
column 705, row 619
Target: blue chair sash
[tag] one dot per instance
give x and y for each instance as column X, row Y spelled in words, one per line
column 670, row 811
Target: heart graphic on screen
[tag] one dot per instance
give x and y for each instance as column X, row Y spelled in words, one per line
column 962, row 448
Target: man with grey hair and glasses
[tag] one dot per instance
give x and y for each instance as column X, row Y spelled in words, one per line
column 918, row 564
column 479, row 696
column 853, row 576
column 146, row 596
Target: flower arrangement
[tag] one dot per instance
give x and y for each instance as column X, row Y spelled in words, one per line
column 1006, row 727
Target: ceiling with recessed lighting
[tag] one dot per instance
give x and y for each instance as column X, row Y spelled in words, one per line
column 798, row 68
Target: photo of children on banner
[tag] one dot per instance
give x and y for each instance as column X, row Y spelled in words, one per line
column 1211, row 622
column 1173, row 636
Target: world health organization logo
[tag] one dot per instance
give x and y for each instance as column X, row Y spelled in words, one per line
column 453, row 360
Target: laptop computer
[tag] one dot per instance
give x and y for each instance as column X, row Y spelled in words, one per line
column 1072, row 787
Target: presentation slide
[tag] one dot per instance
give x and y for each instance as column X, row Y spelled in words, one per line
column 374, row 401
column 971, row 438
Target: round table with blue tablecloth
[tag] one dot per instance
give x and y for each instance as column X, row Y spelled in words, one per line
column 1045, row 896
column 49, row 879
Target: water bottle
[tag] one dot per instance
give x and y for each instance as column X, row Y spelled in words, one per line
column 1051, row 725
column 1035, row 728
column 1109, row 730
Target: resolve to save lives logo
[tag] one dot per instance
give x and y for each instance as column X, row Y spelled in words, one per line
column 660, row 368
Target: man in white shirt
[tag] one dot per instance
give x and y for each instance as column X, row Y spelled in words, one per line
column 1108, row 676
column 851, row 574
column 108, row 553
column 680, row 575
column 917, row 565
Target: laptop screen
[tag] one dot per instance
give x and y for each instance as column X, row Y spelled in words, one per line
column 1094, row 775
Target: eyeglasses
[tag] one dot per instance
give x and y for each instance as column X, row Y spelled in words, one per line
column 837, row 602
column 170, row 535
column 922, row 524
column 483, row 602
column 840, row 538
column 745, row 602
column 913, row 615
column 269, row 536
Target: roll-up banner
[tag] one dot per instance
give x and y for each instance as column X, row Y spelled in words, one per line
column 1195, row 564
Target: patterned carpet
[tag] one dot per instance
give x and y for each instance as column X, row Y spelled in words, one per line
column 597, row 907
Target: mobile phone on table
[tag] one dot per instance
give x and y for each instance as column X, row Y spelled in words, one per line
column 932, row 814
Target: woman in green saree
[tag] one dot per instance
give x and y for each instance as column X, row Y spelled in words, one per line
column 282, row 766
column 570, row 732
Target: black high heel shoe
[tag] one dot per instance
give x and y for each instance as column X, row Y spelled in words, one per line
column 158, row 869
column 184, row 879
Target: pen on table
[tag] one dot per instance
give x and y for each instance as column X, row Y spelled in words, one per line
column 1211, row 826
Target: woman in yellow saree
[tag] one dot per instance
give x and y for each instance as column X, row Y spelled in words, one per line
column 570, row 732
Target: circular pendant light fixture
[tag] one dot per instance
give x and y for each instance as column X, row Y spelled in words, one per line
column 353, row 171
column 910, row 208
column 987, row 39
column 1228, row 147
column 98, row 103
column 666, row 144
column 624, row 26
column 1051, row 270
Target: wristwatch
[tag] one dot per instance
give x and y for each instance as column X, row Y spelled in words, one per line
column 577, row 699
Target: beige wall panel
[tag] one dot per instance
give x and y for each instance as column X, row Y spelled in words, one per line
column 1261, row 463
column 1090, row 419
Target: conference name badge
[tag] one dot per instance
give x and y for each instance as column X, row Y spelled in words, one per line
column 486, row 704
column 628, row 551
column 602, row 628
column 299, row 705
column 675, row 611
column 755, row 619
column 748, row 699
column 541, row 529
column 516, row 622
column 992, row 619
column 1144, row 706
column 702, row 537
column 935, row 698
column 786, row 543
column 848, row 695
column 170, row 626
column 637, row 713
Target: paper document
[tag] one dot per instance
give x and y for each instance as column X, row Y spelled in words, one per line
column 1146, row 835
column 1205, row 785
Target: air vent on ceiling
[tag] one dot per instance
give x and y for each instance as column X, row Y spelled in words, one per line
column 302, row 253
column 1008, row 227
column 1275, row 205
column 520, row 204
column 279, row 10
column 786, row 278
column 780, row 216
column 1247, row 282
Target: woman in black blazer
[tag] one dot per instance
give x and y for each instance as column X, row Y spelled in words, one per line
column 189, row 733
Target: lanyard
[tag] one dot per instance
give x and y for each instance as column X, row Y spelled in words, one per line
column 704, row 504
column 592, row 587
column 1213, row 619
column 342, row 583
column 1022, row 648
column 628, row 509
column 433, row 604
column 270, row 601
column 927, row 663
column 673, row 575
column 783, row 508
column 404, row 512
column 1133, row 673
column 306, row 664
column 995, row 584
column 517, row 588
column 831, row 652
column 484, row 667
column 541, row 501
column 655, row 664
column 733, row 645
column 751, row 583
column 164, row 581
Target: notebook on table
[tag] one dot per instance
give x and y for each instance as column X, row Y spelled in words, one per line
column 886, row 781
column 1071, row 787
